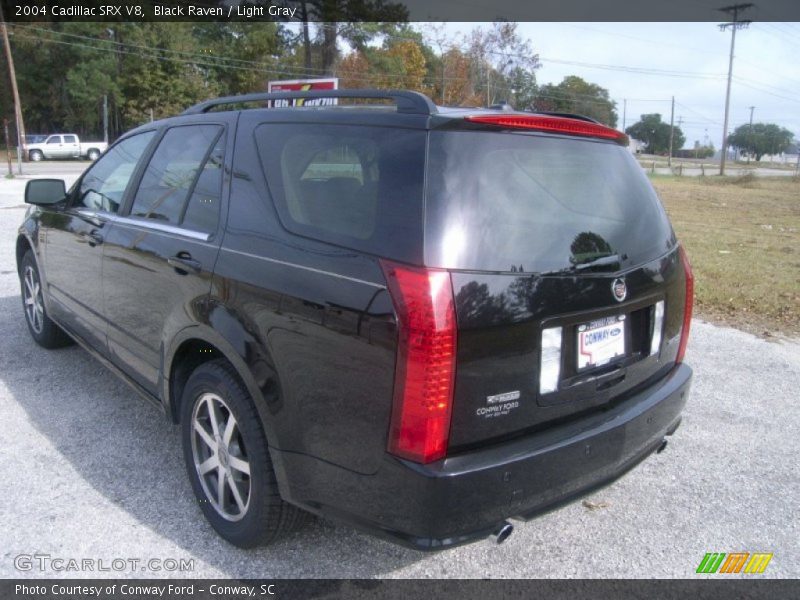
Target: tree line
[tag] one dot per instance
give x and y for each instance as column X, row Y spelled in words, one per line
column 157, row 69
column 152, row 70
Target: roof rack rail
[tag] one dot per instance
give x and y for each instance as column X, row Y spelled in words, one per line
column 406, row 101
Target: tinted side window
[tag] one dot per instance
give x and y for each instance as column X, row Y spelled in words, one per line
column 172, row 171
column 54, row 139
column 202, row 211
column 70, row 139
column 104, row 184
column 355, row 186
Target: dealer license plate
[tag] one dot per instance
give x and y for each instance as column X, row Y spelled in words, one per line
column 600, row 341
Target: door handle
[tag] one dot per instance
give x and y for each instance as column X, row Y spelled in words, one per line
column 183, row 263
column 93, row 237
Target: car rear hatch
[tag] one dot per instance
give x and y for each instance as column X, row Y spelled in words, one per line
column 569, row 288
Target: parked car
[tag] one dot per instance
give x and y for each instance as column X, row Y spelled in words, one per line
column 422, row 321
column 65, row 145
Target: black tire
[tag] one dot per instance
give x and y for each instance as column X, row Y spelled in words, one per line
column 43, row 330
column 266, row 517
column 36, row 155
column 93, row 154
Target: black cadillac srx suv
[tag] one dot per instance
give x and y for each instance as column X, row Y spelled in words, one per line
column 419, row 320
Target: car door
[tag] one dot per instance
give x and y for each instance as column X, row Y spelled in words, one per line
column 74, row 236
column 71, row 147
column 160, row 255
column 53, row 147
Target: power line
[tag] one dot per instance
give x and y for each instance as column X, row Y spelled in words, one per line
column 757, row 85
column 239, row 64
column 622, row 68
column 741, row 81
column 223, row 62
column 699, row 114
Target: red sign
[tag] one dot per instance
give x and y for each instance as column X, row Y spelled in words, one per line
column 303, row 85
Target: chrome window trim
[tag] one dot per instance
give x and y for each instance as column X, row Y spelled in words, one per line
column 305, row 268
column 162, row 228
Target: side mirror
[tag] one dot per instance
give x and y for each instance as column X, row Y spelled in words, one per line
column 44, row 192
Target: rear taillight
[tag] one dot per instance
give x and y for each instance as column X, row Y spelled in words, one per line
column 551, row 124
column 426, row 361
column 688, row 303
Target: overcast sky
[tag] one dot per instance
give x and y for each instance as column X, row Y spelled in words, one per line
column 767, row 65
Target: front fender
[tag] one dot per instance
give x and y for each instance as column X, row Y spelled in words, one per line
column 30, row 235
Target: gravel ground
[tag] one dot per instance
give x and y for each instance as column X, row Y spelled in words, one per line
column 95, row 472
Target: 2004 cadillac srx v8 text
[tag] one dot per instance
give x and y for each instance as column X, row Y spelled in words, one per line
column 420, row 320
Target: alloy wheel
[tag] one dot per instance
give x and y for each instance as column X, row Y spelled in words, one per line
column 32, row 295
column 220, row 457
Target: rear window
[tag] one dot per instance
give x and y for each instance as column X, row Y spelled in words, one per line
column 531, row 202
column 354, row 186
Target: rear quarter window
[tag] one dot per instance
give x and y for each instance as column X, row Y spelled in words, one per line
column 354, row 186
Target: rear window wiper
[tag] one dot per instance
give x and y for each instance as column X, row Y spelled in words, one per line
column 601, row 261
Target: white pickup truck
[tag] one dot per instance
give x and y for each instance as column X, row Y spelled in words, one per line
column 65, row 145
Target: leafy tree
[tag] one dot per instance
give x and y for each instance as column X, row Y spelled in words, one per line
column 410, row 61
column 247, row 43
column 523, row 88
column 455, row 84
column 655, row 134
column 400, row 65
column 494, row 55
column 41, row 87
column 763, row 138
column 162, row 86
column 355, row 21
column 575, row 95
column 354, row 71
column 64, row 69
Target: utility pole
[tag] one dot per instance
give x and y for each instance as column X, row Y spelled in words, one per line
column 105, row 118
column 488, row 84
column 624, row 112
column 750, row 134
column 8, row 149
column 444, row 82
column 734, row 24
column 671, row 131
column 14, row 91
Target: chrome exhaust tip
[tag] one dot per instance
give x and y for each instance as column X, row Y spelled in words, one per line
column 503, row 531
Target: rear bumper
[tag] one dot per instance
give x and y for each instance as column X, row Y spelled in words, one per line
column 465, row 497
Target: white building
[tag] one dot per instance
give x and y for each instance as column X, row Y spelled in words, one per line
column 636, row 146
column 789, row 156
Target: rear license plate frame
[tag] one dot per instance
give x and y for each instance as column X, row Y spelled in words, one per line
column 600, row 341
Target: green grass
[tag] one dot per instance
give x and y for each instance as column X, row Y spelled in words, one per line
column 742, row 235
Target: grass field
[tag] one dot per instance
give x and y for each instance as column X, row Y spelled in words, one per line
column 743, row 239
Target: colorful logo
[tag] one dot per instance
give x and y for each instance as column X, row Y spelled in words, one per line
column 734, row 562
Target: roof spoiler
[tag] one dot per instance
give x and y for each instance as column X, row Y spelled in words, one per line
column 550, row 124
